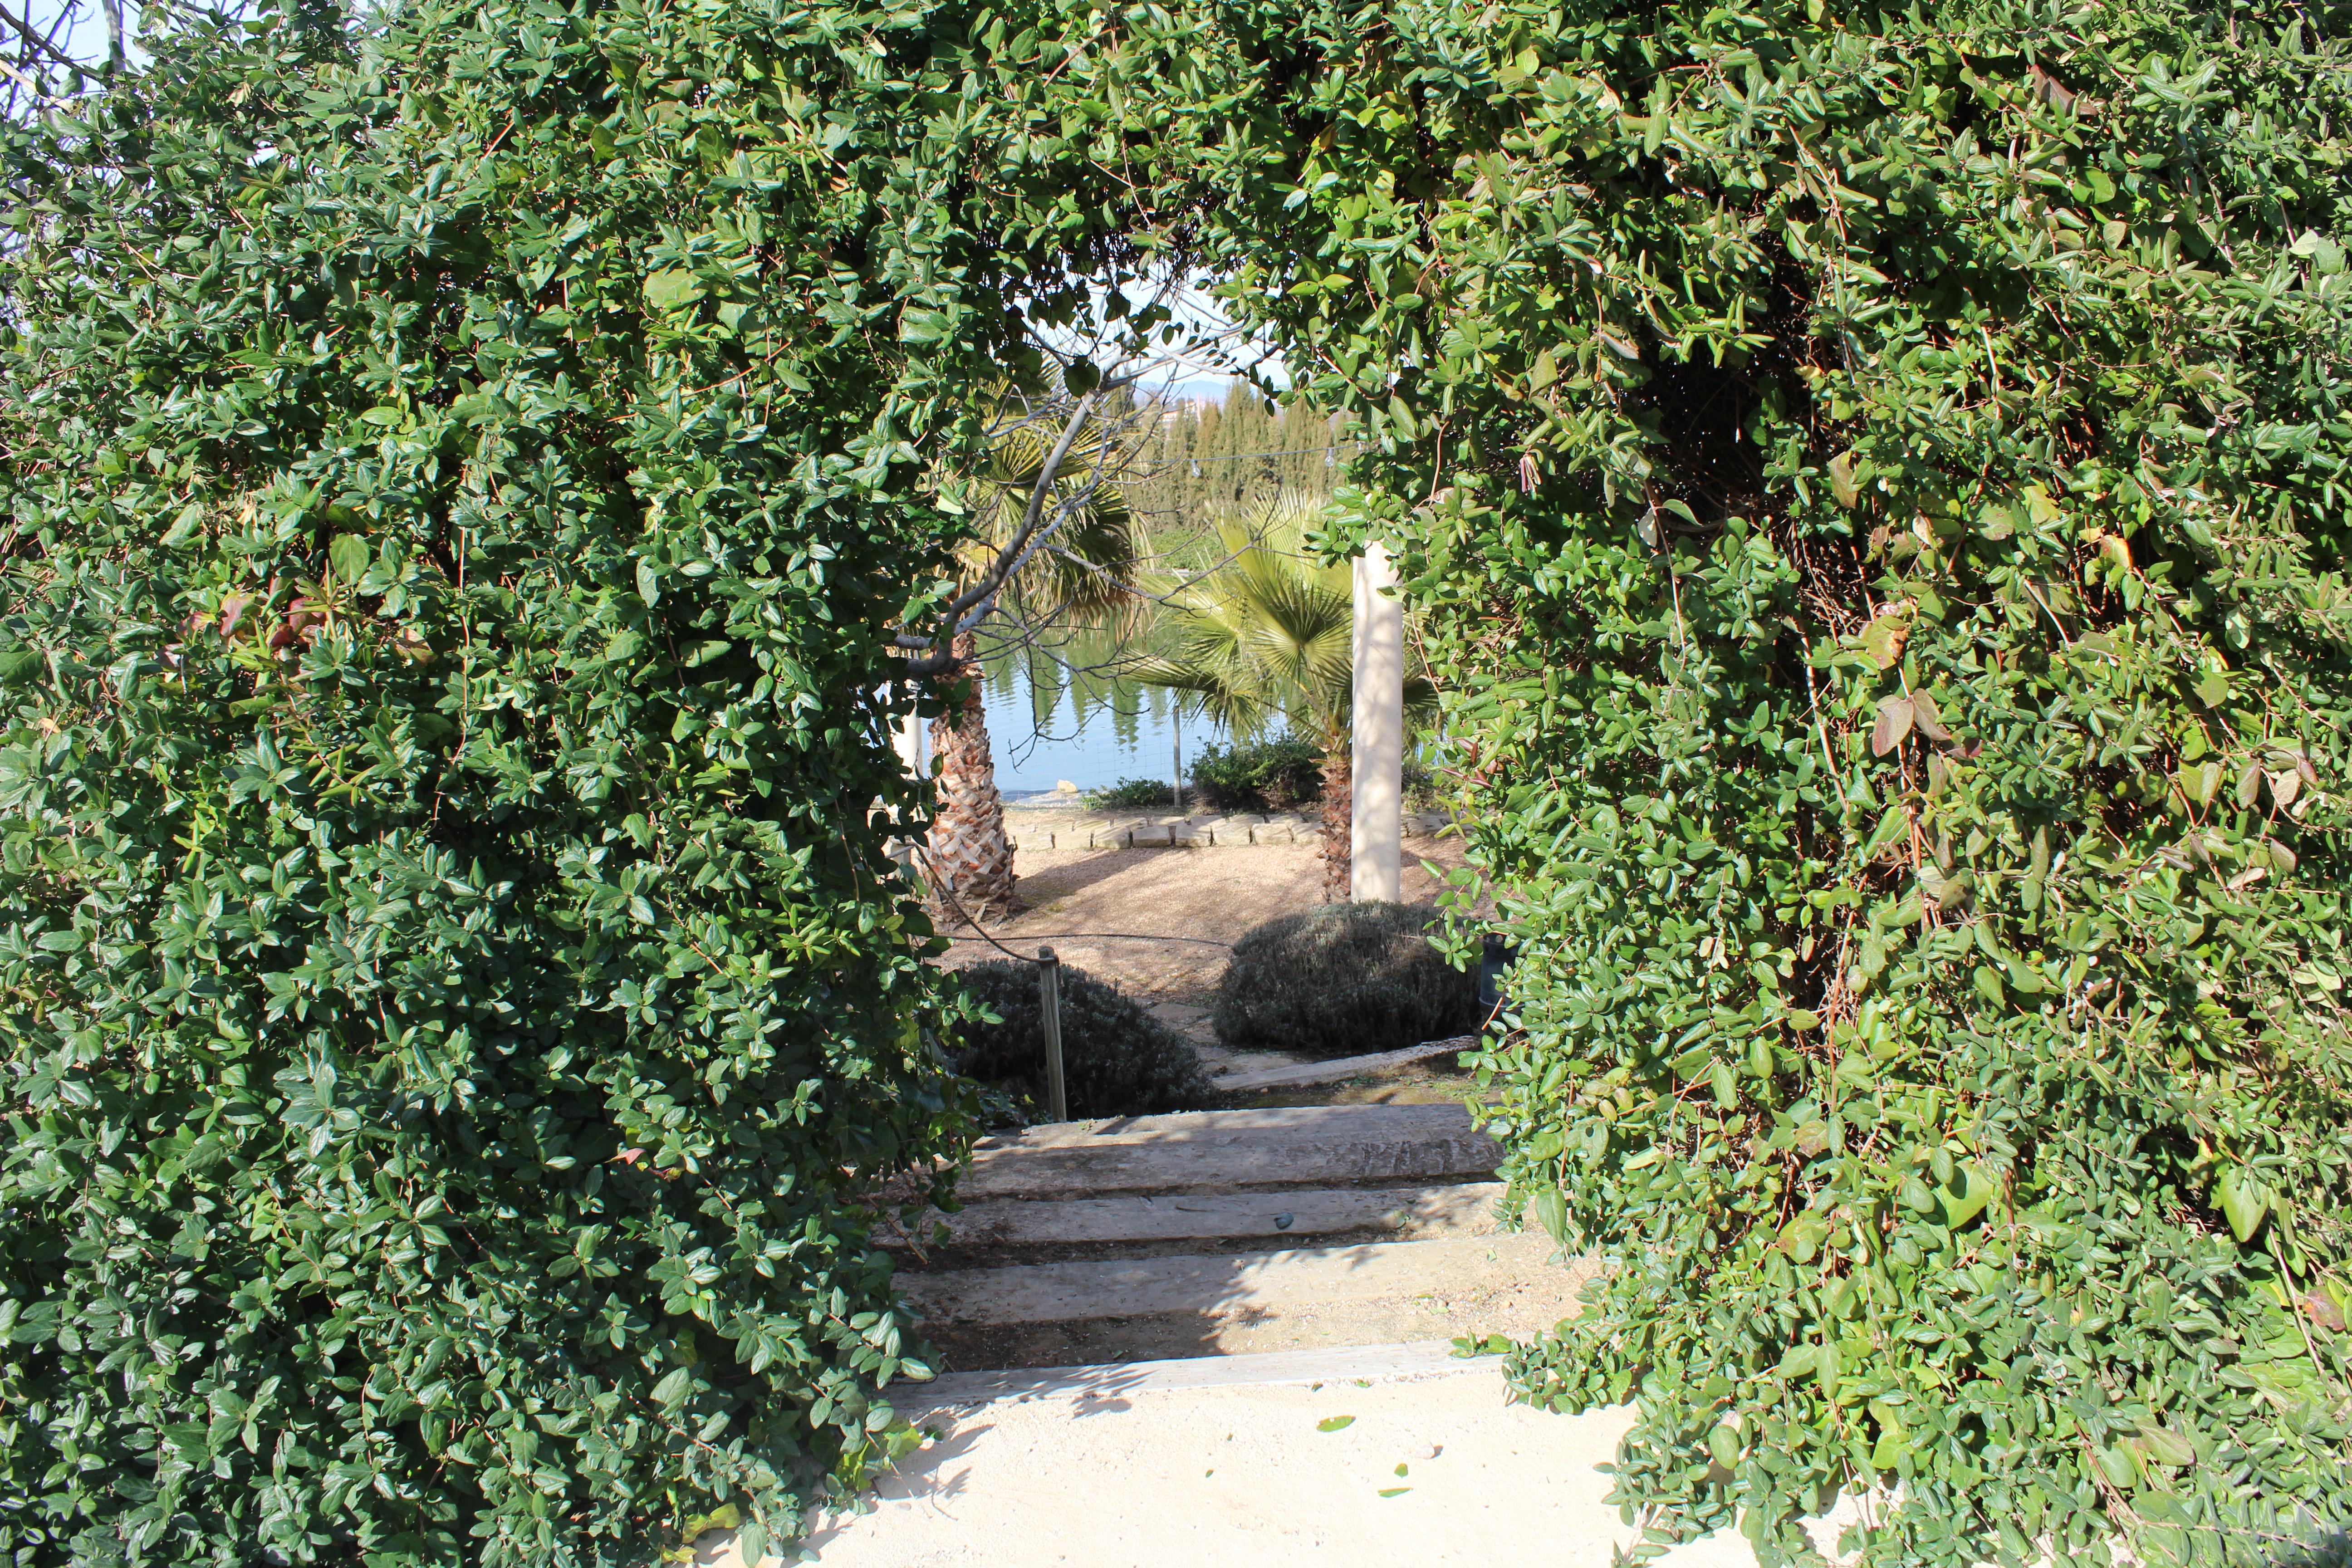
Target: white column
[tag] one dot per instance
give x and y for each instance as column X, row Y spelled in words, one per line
column 912, row 743
column 1376, row 825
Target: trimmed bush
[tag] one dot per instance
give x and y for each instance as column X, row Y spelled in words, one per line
column 1133, row 794
column 1279, row 774
column 1343, row 979
column 1116, row 1058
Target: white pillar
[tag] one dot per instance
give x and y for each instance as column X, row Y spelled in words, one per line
column 1376, row 825
column 912, row 742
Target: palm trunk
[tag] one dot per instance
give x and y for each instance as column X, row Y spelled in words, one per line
column 1338, row 813
column 969, row 855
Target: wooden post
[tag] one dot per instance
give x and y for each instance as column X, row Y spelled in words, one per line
column 1049, row 1014
column 1376, row 812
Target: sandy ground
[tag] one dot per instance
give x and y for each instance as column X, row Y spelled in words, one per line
column 1158, row 922
column 1233, row 1478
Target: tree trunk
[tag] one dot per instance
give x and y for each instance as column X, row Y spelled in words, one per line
column 1339, row 812
column 969, row 854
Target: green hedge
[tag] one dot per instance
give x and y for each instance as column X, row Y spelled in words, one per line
column 1132, row 795
column 1280, row 775
column 455, row 997
column 1873, row 487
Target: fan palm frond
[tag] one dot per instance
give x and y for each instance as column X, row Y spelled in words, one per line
column 1266, row 633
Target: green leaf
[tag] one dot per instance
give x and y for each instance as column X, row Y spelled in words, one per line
column 1334, row 1423
column 2163, row 1445
column 1895, row 716
column 347, row 557
column 672, row 287
column 1723, row 1444
column 2116, row 1466
column 188, row 525
column 1966, row 1195
column 2244, row 1201
column 1551, row 1211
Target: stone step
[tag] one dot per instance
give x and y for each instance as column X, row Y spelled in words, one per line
column 1340, row 1067
column 1305, row 1121
column 1360, row 1365
column 1077, row 1314
column 1268, row 1216
column 1208, row 1151
column 1231, row 1285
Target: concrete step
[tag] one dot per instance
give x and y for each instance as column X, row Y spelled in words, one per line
column 1117, row 1168
column 1340, row 1067
column 1266, row 1217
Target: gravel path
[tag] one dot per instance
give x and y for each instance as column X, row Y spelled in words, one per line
column 1171, row 913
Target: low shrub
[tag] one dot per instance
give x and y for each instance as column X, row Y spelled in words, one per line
column 1261, row 775
column 1132, row 795
column 1343, row 979
column 1116, row 1058
column 1421, row 792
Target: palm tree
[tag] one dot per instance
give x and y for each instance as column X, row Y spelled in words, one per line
column 1267, row 634
column 1083, row 571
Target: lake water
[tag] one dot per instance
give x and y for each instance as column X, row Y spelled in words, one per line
column 1135, row 740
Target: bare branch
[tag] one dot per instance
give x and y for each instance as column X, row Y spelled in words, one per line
column 35, row 41
column 994, row 579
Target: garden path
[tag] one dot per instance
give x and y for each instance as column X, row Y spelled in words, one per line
column 1152, row 1326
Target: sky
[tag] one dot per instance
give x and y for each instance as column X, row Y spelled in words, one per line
column 84, row 36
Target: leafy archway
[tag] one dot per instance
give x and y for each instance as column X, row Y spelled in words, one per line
column 1870, row 486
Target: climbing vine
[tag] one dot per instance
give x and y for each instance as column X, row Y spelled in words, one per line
column 1871, row 485
column 1875, row 488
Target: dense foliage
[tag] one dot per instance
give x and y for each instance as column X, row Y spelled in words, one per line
column 1870, row 488
column 458, row 472
column 1343, row 979
column 1276, row 775
column 1116, row 1058
column 1874, row 484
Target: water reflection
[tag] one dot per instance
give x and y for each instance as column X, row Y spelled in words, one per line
column 1063, row 713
